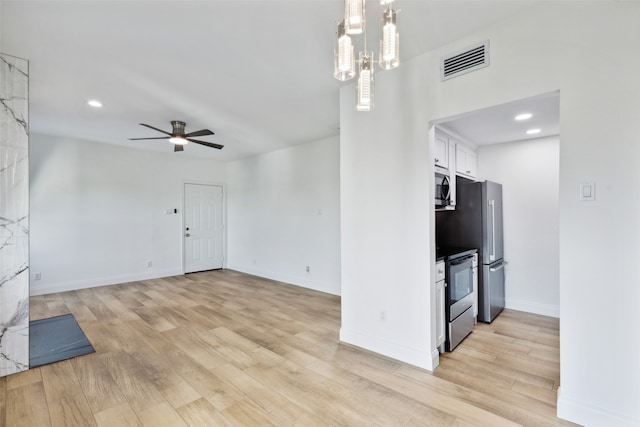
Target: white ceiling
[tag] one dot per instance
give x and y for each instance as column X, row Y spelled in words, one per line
column 257, row 73
column 497, row 124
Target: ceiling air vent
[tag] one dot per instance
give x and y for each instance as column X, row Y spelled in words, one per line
column 464, row 61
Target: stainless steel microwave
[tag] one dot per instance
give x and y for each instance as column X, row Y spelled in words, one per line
column 442, row 190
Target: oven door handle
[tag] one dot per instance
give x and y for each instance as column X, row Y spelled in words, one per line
column 501, row 266
column 461, row 260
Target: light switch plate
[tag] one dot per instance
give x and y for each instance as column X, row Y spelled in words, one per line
column 588, row 191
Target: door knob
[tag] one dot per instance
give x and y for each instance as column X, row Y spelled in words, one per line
column 187, row 235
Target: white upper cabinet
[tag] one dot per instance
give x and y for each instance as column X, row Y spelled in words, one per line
column 466, row 161
column 441, row 155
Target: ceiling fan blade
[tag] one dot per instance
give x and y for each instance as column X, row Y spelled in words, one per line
column 201, row 132
column 208, row 144
column 178, row 148
column 159, row 130
column 159, row 137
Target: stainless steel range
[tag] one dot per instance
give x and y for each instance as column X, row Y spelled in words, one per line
column 459, row 295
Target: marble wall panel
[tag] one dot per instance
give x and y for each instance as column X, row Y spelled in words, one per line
column 14, row 215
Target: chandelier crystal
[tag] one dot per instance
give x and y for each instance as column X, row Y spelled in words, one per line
column 354, row 17
column 390, row 43
column 344, row 58
column 364, row 91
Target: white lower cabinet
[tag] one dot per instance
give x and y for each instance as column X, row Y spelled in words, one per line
column 441, row 286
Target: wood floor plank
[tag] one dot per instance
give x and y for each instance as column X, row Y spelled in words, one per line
column 162, row 415
column 59, row 380
column 117, row 307
column 71, row 410
column 25, row 406
column 156, row 321
column 374, row 397
column 201, row 413
column 138, row 390
column 281, row 408
column 247, row 413
column 209, row 386
column 226, row 348
column 96, row 382
column 98, row 335
column 24, row 378
column 119, row 415
column 300, row 386
column 3, row 401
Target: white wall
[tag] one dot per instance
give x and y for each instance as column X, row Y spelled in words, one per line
column 582, row 49
column 385, row 204
column 98, row 212
column 284, row 215
column 529, row 174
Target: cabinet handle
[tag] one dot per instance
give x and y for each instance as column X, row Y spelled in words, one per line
column 437, row 160
column 469, row 172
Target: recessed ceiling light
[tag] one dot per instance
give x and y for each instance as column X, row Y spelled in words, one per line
column 94, row 103
column 523, row 116
column 533, row 131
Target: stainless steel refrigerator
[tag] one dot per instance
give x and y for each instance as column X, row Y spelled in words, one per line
column 476, row 222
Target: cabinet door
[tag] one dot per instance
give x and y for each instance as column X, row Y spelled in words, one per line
column 472, row 164
column 466, row 161
column 441, row 155
column 440, row 313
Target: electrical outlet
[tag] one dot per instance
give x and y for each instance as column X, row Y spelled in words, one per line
column 383, row 315
column 149, row 264
column 37, row 276
column 308, row 269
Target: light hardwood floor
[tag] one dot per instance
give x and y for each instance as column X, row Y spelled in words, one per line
column 225, row 348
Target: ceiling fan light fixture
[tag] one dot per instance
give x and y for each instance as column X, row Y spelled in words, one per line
column 179, row 138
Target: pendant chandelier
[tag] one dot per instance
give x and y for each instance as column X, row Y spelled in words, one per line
column 354, row 23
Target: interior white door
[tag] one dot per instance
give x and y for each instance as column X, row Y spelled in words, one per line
column 203, row 227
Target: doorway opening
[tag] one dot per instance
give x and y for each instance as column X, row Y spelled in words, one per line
column 494, row 144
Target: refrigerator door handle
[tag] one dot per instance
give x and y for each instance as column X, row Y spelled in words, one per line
column 501, row 266
column 492, row 255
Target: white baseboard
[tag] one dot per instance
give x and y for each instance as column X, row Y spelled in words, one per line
column 419, row 358
column 588, row 415
column 532, row 307
column 435, row 359
column 305, row 282
column 50, row 288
